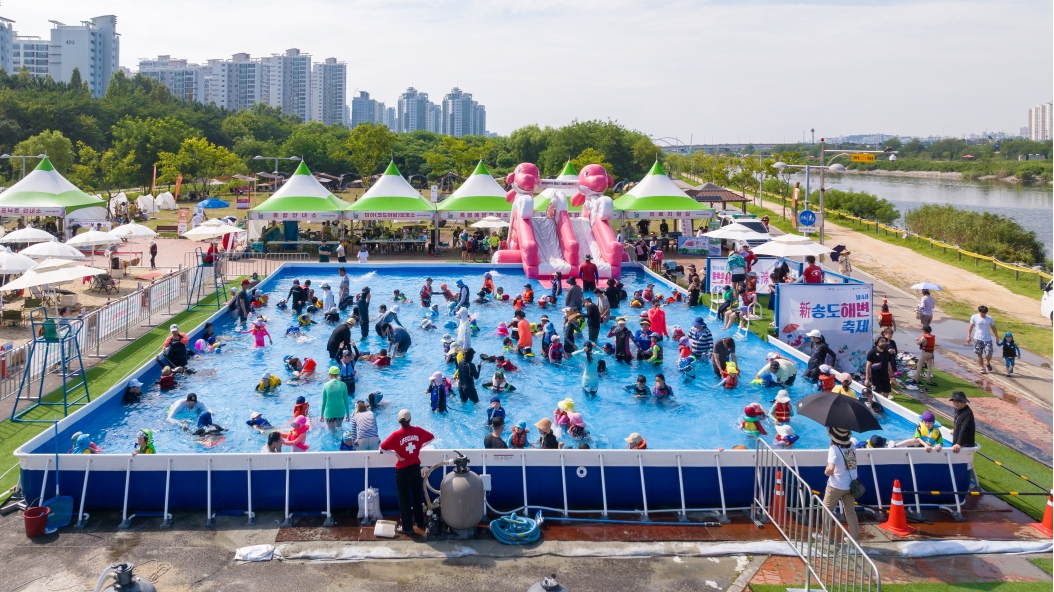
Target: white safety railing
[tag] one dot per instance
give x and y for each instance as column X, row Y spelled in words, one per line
column 239, row 264
column 830, row 554
column 114, row 320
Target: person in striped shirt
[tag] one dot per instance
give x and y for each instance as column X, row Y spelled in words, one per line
column 363, row 428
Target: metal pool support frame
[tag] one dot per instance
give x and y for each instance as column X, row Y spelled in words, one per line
column 643, row 484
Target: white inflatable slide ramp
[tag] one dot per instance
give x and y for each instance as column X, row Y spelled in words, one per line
column 549, row 254
column 588, row 245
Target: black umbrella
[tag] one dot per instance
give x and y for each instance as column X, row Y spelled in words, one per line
column 838, row 411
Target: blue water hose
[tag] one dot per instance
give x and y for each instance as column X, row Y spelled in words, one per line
column 514, row 530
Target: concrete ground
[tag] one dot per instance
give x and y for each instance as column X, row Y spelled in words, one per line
column 199, row 559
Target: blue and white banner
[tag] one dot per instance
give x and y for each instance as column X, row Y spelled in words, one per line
column 842, row 312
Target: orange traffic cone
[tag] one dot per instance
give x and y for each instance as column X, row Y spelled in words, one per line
column 779, row 504
column 898, row 521
column 1046, row 527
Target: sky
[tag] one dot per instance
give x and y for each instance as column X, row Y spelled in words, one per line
column 705, row 71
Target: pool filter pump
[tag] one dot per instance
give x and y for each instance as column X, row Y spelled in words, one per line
column 124, row 580
column 461, row 498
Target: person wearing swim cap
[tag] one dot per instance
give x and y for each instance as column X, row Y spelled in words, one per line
column 144, row 442
column 205, row 426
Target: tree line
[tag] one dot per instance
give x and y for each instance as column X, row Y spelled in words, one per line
column 115, row 141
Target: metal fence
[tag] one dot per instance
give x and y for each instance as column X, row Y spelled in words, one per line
column 145, row 306
column 784, row 499
column 112, row 321
column 238, row 264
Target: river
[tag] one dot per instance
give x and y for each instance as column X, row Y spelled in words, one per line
column 1031, row 206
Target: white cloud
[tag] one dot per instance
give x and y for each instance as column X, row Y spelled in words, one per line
column 726, row 71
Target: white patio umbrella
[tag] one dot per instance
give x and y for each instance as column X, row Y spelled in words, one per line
column 94, row 238
column 27, row 235
column 52, row 250
column 926, row 286
column 12, row 263
column 132, row 230
column 791, row 245
column 210, row 231
column 54, row 273
column 491, row 222
column 736, row 232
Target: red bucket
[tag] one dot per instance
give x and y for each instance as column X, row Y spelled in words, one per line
column 36, row 519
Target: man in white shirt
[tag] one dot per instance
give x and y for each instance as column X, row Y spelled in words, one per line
column 341, row 255
column 981, row 331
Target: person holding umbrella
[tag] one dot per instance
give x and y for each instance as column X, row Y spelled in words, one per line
column 841, row 471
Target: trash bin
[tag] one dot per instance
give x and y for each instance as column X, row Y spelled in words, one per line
column 36, row 520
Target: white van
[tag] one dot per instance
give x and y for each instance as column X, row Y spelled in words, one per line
column 1046, row 305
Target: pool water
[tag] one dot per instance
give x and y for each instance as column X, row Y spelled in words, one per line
column 702, row 415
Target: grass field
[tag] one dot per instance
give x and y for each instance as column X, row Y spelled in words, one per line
column 100, row 378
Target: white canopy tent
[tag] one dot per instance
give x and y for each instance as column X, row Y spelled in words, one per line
column 116, row 200
column 165, row 201
column 132, row 230
column 146, row 204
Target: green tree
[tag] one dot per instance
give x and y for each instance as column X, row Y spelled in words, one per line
column 437, row 164
column 590, row 156
column 645, row 153
column 370, row 145
column 199, row 161
column 460, row 153
column 321, row 147
column 103, row 172
column 146, row 139
column 75, row 78
column 56, row 146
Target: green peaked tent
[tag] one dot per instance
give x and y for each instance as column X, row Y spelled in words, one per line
column 657, row 197
column 301, row 198
column 391, row 198
column 45, row 192
column 478, row 197
column 541, row 203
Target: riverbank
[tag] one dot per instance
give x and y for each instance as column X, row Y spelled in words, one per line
column 916, row 174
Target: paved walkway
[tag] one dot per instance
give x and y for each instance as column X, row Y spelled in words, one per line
column 905, row 570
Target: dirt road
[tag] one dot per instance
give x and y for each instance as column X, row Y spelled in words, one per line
column 902, row 267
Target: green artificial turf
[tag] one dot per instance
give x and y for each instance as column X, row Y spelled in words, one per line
column 114, row 369
column 927, row 587
column 992, row 477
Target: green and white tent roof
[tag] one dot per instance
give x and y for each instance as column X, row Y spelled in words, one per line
column 478, row 197
column 391, row 198
column 656, row 197
column 45, row 192
column 541, row 203
column 301, row 198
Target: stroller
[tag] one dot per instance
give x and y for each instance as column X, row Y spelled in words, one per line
column 670, row 270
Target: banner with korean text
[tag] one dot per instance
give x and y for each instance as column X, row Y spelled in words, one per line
column 842, row 312
column 717, row 272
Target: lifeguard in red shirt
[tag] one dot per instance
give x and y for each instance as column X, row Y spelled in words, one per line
column 406, row 442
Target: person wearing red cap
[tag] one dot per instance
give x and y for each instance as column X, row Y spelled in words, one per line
column 406, row 443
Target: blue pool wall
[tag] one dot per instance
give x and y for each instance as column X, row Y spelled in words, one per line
column 534, row 474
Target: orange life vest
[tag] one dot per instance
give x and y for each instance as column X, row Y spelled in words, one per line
column 733, row 379
column 826, row 382
column 782, row 412
column 528, row 295
column 885, row 319
column 642, row 446
column 301, row 409
column 931, row 340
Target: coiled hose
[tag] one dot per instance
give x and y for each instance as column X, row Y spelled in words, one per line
column 514, row 530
